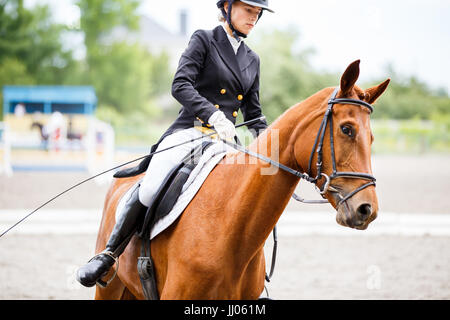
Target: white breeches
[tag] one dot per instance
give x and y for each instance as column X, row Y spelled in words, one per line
column 162, row 163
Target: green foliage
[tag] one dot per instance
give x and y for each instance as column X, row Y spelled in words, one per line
column 160, row 74
column 411, row 136
column 286, row 76
column 99, row 17
column 31, row 51
column 119, row 76
column 125, row 75
column 30, row 37
column 13, row 72
column 408, row 98
column 132, row 128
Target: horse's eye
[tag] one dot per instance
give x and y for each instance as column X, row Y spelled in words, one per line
column 348, row 130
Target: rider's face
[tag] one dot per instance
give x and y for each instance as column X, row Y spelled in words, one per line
column 244, row 16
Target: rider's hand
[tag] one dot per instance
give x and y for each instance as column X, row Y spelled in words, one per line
column 224, row 127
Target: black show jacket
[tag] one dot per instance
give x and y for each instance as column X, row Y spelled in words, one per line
column 211, row 77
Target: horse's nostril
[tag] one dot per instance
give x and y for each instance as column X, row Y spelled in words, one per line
column 365, row 210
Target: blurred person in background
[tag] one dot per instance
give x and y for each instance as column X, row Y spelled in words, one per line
column 217, row 76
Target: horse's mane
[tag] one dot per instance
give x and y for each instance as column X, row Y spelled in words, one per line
column 317, row 100
column 290, row 116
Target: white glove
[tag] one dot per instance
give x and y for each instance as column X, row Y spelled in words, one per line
column 224, row 127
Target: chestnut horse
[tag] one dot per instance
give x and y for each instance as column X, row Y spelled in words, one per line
column 215, row 248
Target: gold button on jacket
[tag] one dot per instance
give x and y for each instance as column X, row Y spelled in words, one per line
column 235, row 114
column 240, row 97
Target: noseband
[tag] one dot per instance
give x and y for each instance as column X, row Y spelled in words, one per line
column 318, row 144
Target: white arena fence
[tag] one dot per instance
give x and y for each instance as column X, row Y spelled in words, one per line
column 5, row 150
column 26, row 151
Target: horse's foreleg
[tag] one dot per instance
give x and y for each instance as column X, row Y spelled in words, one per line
column 185, row 282
column 214, row 281
column 127, row 295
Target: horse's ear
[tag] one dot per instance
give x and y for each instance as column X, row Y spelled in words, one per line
column 372, row 94
column 349, row 78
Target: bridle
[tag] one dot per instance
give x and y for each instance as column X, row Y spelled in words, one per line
column 318, row 148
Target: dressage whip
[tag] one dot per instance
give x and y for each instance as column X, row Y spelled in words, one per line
column 246, row 123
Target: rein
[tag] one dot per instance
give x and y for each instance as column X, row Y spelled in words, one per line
column 117, row 167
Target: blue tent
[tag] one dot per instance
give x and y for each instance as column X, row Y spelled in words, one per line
column 48, row 99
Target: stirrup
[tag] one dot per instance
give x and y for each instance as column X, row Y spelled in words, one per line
column 100, row 282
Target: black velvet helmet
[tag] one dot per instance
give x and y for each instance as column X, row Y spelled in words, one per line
column 263, row 4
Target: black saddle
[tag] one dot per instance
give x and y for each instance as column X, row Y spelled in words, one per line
column 170, row 190
column 162, row 203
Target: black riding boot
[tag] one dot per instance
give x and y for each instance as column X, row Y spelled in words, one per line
column 125, row 227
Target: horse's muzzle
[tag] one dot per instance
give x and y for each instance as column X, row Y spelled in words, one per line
column 357, row 216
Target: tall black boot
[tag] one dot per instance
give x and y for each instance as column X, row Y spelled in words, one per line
column 133, row 212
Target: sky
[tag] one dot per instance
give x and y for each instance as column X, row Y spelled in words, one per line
column 411, row 35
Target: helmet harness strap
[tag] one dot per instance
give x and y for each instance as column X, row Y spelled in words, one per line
column 227, row 17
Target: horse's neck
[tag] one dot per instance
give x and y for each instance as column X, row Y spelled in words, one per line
column 268, row 189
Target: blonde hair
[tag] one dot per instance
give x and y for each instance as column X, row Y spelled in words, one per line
column 220, row 17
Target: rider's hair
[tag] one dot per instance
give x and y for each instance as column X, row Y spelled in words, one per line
column 220, row 17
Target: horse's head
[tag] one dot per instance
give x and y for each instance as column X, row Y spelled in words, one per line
column 342, row 164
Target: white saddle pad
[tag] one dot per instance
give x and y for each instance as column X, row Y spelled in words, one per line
column 212, row 156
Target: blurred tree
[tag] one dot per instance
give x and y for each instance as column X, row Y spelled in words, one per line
column 100, row 17
column 125, row 75
column 29, row 36
column 30, row 48
column 288, row 78
column 286, row 75
column 408, row 97
column 121, row 76
column 13, row 72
